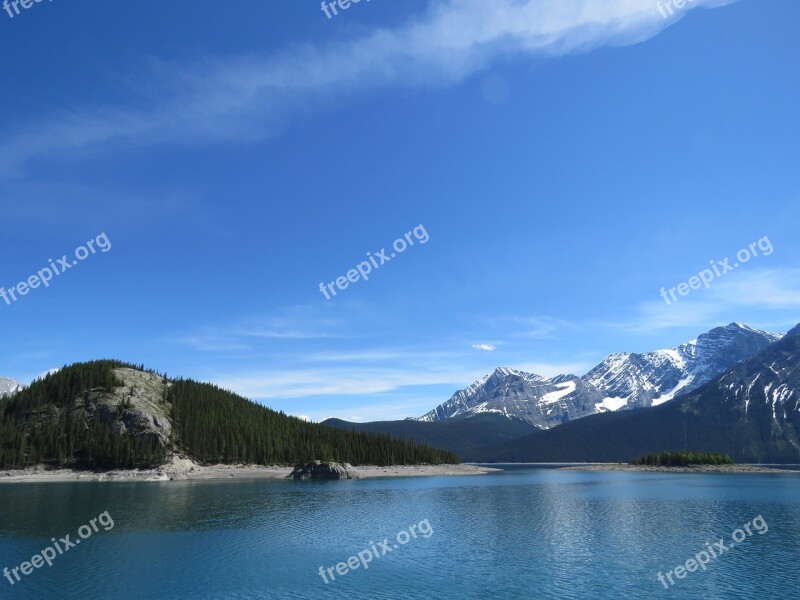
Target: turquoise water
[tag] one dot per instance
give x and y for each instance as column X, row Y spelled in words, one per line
column 526, row 532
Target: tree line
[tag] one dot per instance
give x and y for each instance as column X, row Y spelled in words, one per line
column 218, row 426
column 682, row 459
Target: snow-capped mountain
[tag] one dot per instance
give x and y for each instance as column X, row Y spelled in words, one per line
column 621, row 381
column 751, row 411
column 9, row 387
column 641, row 380
column 516, row 394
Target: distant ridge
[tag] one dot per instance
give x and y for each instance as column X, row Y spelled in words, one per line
column 466, row 436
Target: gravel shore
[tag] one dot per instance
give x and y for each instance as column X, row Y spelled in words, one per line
column 183, row 470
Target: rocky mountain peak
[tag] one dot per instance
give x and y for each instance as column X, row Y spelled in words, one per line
column 9, row 387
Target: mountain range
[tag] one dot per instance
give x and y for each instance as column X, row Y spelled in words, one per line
column 622, row 381
column 734, row 390
column 752, row 412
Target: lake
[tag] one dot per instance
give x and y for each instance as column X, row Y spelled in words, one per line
column 529, row 531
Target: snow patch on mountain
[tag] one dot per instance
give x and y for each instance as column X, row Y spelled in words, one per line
column 563, row 389
column 610, row 404
column 684, row 385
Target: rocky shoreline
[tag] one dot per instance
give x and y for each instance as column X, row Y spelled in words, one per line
column 687, row 469
column 182, row 469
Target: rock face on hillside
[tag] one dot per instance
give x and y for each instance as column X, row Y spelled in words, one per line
column 138, row 407
column 322, row 470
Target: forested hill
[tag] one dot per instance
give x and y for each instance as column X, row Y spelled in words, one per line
column 109, row 414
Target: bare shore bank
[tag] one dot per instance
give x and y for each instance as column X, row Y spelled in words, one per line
column 688, row 469
column 186, row 470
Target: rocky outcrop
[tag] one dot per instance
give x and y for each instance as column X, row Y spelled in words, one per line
column 138, row 407
column 324, row 470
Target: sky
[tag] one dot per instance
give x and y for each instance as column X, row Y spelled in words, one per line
column 560, row 166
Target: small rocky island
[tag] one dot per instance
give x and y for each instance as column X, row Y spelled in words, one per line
column 324, row 470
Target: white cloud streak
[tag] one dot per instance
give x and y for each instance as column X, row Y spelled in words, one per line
column 354, row 380
column 301, row 322
column 484, row 347
column 251, row 98
column 759, row 291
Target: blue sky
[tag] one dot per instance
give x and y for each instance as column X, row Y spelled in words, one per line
column 566, row 158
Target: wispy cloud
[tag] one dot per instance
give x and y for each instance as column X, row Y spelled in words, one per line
column 353, row 380
column 373, row 355
column 529, row 327
column 486, row 347
column 741, row 293
column 253, row 97
column 302, row 322
column 768, row 299
column 211, row 342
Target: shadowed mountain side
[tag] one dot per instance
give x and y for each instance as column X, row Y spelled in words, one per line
column 466, row 436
